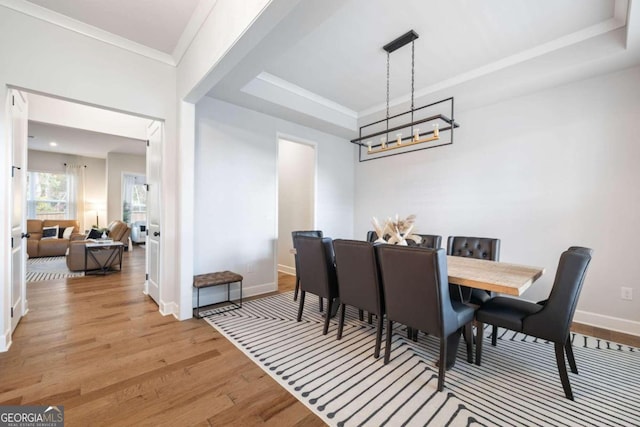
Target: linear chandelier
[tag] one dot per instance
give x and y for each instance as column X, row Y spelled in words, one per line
column 393, row 133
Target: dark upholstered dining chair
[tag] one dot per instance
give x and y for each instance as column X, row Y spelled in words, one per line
column 430, row 241
column 550, row 321
column 317, row 272
column 359, row 282
column 416, row 293
column 480, row 248
column 309, row 233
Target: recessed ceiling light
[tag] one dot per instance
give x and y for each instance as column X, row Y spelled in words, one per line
column 53, row 144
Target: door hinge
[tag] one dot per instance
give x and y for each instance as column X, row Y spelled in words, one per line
column 12, row 243
column 13, row 100
column 13, row 170
column 147, row 231
column 11, row 311
column 146, row 276
column 146, row 186
column 147, row 142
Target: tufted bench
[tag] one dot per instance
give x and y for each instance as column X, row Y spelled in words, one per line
column 216, row 279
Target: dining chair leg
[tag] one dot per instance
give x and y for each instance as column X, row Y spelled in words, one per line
column 387, row 350
column 562, row 370
column 376, row 352
column 442, row 364
column 327, row 316
column 572, row 361
column 341, row 320
column 479, row 339
column 468, row 328
column 414, row 335
column 295, row 292
column 409, row 333
column 301, row 305
column 361, row 315
column 320, row 304
column 494, row 336
column 370, row 319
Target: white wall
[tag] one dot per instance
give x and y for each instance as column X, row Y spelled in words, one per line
column 46, row 58
column 296, row 196
column 236, row 176
column 541, row 172
column 94, row 176
column 117, row 164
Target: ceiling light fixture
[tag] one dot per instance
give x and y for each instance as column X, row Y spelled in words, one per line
column 53, row 144
column 428, row 116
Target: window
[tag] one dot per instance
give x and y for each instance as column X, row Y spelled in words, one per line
column 48, row 196
column 134, row 200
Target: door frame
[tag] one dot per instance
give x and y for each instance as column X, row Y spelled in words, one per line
column 5, row 252
column 303, row 141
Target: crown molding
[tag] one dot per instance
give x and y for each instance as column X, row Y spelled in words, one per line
column 199, row 16
column 618, row 20
column 286, row 94
column 87, row 30
column 307, row 94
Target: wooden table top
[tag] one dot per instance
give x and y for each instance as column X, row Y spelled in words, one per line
column 502, row 277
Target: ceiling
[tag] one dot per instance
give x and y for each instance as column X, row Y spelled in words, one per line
column 81, row 142
column 83, row 130
column 323, row 66
column 154, row 23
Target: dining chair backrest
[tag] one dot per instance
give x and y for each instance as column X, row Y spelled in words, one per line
column 358, row 275
column 316, row 265
column 582, row 249
column 474, row 247
column 416, row 288
column 308, row 233
column 554, row 320
column 430, row 241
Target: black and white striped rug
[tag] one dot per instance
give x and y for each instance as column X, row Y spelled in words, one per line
column 49, row 268
column 517, row 384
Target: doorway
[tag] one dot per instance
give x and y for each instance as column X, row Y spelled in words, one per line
column 64, row 133
column 296, row 197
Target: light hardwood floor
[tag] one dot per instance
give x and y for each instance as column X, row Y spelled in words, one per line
column 99, row 347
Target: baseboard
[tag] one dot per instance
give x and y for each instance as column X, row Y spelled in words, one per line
column 607, row 322
column 167, row 308
column 264, row 288
column 286, row 269
column 5, row 341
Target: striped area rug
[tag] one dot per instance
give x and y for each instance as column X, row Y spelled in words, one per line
column 49, row 268
column 517, row 384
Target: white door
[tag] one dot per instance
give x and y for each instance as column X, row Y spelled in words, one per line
column 18, row 130
column 154, row 166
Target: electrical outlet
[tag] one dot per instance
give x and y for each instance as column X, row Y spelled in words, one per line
column 626, row 293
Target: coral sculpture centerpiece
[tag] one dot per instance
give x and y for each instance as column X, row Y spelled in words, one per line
column 396, row 232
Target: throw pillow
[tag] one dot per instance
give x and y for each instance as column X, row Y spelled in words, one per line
column 67, row 233
column 50, row 232
column 94, row 234
column 60, row 232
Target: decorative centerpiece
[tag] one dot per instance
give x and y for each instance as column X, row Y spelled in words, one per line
column 396, row 232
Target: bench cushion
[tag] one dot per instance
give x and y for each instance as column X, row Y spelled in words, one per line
column 213, row 279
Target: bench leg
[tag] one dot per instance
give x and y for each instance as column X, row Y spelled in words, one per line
column 198, row 304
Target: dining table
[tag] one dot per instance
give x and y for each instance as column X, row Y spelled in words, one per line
column 494, row 276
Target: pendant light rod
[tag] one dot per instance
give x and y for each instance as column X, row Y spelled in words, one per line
column 401, row 41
